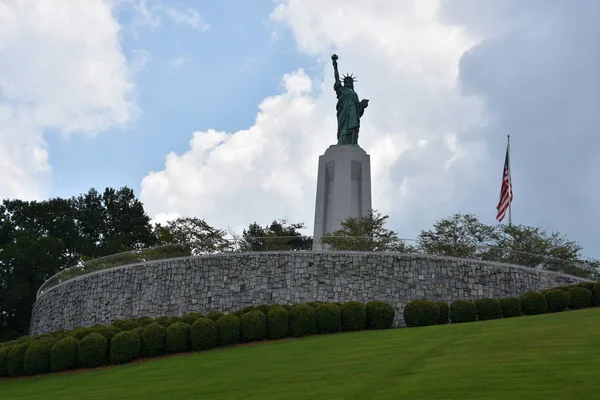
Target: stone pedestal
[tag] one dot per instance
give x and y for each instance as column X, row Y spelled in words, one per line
column 343, row 189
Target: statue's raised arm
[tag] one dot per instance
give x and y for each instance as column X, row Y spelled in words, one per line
column 349, row 108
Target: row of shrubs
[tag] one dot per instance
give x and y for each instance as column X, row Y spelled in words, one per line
column 426, row 312
column 126, row 340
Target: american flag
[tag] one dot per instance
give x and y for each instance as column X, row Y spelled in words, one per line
column 506, row 193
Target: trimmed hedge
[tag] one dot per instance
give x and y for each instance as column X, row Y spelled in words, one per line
column 380, row 315
column 191, row 318
column 126, row 324
column 329, row 318
column 421, row 313
column 596, row 293
column 3, row 354
column 580, row 298
column 107, row 331
column 264, row 309
column 254, row 326
column 444, row 312
column 124, row 347
column 228, row 328
column 63, row 354
column 176, row 319
column 154, row 340
column 354, row 316
column 164, row 321
column 247, row 309
column 278, row 322
column 534, row 303
column 204, row 334
column 14, row 359
column 91, row 351
column 558, row 300
column 36, row 359
column 178, row 337
column 587, row 285
column 303, row 320
column 81, row 332
column 215, row 315
column 488, row 309
column 511, row 307
column 143, row 321
column 463, row 311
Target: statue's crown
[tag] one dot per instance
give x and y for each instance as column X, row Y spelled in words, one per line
column 349, row 77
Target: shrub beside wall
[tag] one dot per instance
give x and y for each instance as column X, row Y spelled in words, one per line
column 303, row 320
column 511, row 307
column 154, row 340
column 558, row 300
column 534, row 303
column 36, row 359
column 178, row 337
column 354, row 316
column 63, row 355
column 204, row 334
column 228, row 328
column 14, row 359
column 254, row 326
column 277, row 322
column 580, row 298
column 444, row 312
column 488, row 309
column 380, row 315
column 91, row 351
column 124, row 347
column 463, row 311
column 329, row 318
column 421, row 313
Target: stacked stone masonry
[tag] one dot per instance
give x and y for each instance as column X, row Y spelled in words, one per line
column 228, row 282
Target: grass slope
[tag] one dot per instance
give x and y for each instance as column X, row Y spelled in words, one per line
column 542, row 357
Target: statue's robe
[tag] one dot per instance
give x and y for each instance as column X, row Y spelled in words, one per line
column 349, row 110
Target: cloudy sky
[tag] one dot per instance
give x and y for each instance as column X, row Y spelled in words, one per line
column 220, row 110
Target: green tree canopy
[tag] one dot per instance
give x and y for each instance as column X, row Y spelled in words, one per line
column 276, row 236
column 195, row 233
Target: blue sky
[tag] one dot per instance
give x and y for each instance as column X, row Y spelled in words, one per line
column 196, row 107
column 225, row 72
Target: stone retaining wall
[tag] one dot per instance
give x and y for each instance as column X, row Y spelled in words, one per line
column 228, row 282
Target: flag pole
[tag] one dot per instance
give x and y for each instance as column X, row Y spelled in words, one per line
column 510, row 175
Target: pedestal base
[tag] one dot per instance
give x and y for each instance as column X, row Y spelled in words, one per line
column 343, row 189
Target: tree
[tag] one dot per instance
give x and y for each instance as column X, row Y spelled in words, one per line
column 461, row 235
column 367, row 233
column 195, row 233
column 273, row 237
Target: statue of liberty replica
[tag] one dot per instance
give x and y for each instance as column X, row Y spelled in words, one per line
column 349, row 108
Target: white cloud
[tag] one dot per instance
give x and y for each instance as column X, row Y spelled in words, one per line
column 416, row 127
column 187, row 16
column 61, row 68
column 176, row 62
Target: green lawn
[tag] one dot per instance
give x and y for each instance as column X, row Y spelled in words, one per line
column 543, row 357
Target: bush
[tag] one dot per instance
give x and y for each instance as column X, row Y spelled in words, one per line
column 558, row 300
column 314, row 304
column 247, row 309
column 303, row 320
column 254, row 326
column 534, row 303
column 444, row 312
column 215, row 315
column 511, row 307
column 126, row 324
column 329, row 318
column 488, row 309
column 37, row 357
column 238, row 313
column 124, row 347
column 143, row 321
column 278, row 322
column 138, row 331
column 596, row 293
column 228, row 329
column 463, row 311
column 63, row 354
column 176, row 319
column 587, row 285
column 354, row 316
column 80, row 332
column 191, row 318
column 154, row 340
column 91, row 352
column 107, row 331
column 380, row 315
column 164, row 321
column 14, row 359
column 580, row 298
column 178, row 337
column 3, row 354
column 290, row 306
column 204, row 334
column 264, row 309
column 421, row 313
